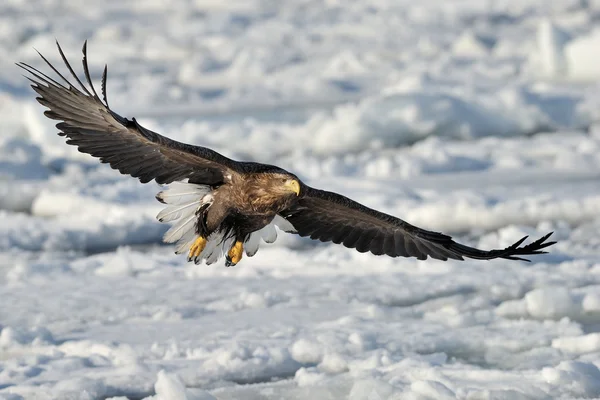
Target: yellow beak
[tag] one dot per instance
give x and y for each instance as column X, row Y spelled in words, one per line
column 293, row 186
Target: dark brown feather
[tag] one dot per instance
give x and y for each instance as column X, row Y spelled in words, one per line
column 127, row 146
column 328, row 216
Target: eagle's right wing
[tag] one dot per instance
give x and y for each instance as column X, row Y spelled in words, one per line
column 127, row 146
column 331, row 217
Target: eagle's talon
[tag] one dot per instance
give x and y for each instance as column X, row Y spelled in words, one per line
column 234, row 255
column 196, row 248
column 228, row 262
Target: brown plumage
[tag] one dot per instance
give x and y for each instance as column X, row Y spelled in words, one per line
column 218, row 204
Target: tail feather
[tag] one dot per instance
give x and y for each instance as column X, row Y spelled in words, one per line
column 283, row 224
column 222, row 243
column 179, row 230
column 212, row 252
column 252, row 244
column 269, row 233
column 184, row 244
column 183, row 201
column 177, row 211
column 182, row 192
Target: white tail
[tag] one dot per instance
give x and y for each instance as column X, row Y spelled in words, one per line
column 268, row 234
column 183, row 201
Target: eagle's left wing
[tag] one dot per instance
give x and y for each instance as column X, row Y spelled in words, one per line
column 94, row 128
column 331, row 217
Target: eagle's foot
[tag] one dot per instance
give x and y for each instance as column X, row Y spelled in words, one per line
column 196, row 248
column 234, row 255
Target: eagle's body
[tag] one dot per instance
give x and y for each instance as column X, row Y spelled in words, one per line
column 243, row 204
column 234, row 208
column 220, row 205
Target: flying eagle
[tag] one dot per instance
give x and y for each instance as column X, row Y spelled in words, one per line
column 219, row 205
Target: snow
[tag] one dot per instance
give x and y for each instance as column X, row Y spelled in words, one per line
column 577, row 52
column 551, row 42
column 170, row 387
column 476, row 118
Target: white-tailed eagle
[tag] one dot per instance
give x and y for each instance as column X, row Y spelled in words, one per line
column 219, row 205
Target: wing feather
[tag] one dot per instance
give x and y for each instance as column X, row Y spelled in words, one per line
column 328, row 216
column 89, row 123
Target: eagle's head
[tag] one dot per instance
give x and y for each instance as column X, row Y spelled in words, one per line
column 285, row 185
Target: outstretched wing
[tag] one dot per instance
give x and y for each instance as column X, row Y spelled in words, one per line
column 127, row 146
column 331, row 217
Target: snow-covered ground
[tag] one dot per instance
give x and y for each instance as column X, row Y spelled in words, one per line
column 480, row 118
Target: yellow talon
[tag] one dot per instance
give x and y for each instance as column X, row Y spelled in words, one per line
column 197, row 247
column 235, row 254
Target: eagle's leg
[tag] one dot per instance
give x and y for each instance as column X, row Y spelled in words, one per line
column 235, row 254
column 197, row 247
